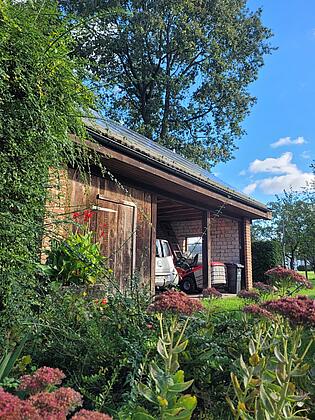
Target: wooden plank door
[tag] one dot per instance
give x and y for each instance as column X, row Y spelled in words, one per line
column 116, row 231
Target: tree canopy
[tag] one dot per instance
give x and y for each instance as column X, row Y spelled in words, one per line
column 176, row 71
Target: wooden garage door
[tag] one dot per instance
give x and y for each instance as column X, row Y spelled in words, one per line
column 116, row 224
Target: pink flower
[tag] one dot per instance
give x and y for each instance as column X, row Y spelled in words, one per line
column 299, row 310
column 248, row 294
column 90, row 415
column 58, row 403
column 41, row 379
column 175, row 302
column 12, row 408
column 263, row 287
column 149, row 326
column 257, row 310
column 212, row 293
column 280, row 273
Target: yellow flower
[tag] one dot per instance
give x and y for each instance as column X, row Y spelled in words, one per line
column 241, row 406
column 254, row 359
column 163, row 402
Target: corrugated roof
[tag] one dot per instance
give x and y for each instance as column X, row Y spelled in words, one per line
column 141, row 144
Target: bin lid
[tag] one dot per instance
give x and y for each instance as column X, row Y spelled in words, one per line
column 237, row 265
column 217, row 263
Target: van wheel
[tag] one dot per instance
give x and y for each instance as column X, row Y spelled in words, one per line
column 188, row 285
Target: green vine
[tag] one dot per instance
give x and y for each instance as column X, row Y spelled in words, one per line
column 42, row 98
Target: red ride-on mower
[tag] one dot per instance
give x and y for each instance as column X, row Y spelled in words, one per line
column 191, row 275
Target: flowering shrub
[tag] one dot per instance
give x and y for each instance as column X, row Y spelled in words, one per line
column 284, row 279
column 248, row 295
column 299, row 310
column 42, row 404
column 211, row 293
column 90, row 415
column 12, row 408
column 257, row 310
column 41, row 380
column 175, row 302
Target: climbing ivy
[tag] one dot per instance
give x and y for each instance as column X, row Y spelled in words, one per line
column 42, row 99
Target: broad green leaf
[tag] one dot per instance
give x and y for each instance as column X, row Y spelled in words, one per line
column 181, row 347
column 188, row 401
column 180, row 387
column 147, row 393
column 279, row 355
column 269, row 406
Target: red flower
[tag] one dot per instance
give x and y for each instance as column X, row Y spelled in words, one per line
column 104, row 301
column 87, row 215
column 76, row 215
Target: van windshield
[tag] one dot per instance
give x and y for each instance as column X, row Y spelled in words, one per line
column 166, row 249
column 158, row 249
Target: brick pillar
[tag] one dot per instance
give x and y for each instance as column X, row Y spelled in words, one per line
column 247, row 254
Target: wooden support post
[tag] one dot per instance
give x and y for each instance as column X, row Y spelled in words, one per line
column 206, row 249
column 247, row 254
column 153, row 241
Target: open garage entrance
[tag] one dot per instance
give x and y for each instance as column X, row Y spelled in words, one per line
column 204, row 238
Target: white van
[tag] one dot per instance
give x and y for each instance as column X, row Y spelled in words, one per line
column 165, row 272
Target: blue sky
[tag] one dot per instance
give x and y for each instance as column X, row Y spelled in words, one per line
column 284, row 115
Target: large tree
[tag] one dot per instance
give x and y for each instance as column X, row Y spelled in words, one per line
column 176, row 70
column 292, row 225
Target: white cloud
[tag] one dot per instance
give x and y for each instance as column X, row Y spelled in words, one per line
column 277, row 184
column 280, row 165
column 286, row 141
column 250, row 188
column 288, row 175
column 305, row 155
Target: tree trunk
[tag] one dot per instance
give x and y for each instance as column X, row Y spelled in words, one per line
column 305, row 268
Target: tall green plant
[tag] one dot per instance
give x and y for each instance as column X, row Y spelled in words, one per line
column 42, row 98
column 269, row 387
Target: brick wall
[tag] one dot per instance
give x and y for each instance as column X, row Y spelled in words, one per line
column 225, row 244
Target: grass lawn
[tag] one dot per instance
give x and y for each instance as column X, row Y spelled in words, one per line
column 309, row 292
column 226, row 304
column 234, row 303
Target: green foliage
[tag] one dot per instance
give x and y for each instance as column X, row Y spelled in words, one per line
column 266, row 254
column 216, row 341
column 177, row 71
column 8, row 362
column 100, row 343
column 42, row 98
column 75, row 260
column 168, row 382
column 270, row 380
